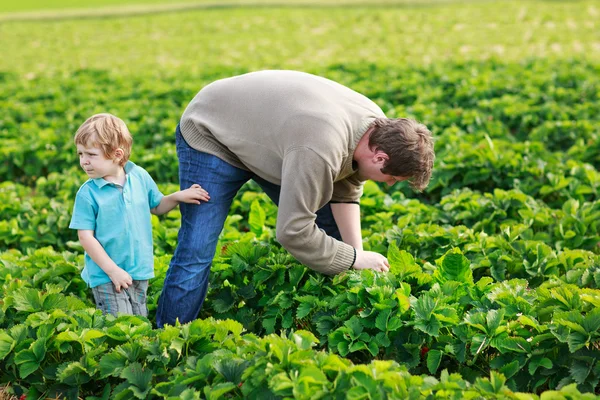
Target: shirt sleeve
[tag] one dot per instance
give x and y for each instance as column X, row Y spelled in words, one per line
column 347, row 190
column 84, row 213
column 154, row 195
column 306, row 186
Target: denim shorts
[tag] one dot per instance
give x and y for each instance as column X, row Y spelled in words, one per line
column 131, row 301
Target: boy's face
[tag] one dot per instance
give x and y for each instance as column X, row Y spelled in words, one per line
column 95, row 164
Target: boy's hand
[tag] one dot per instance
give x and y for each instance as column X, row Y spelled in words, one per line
column 121, row 279
column 371, row 260
column 193, row 195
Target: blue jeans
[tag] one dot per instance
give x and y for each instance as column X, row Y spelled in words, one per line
column 186, row 282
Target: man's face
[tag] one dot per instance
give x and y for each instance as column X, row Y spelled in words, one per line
column 370, row 169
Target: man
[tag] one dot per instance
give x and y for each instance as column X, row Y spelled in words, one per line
column 310, row 143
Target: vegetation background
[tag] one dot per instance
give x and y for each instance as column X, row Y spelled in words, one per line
column 495, row 266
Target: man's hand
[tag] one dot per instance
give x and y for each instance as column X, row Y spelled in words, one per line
column 371, row 260
column 121, row 279
column 193, row 195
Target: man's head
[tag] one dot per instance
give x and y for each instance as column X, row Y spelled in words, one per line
column 109, row 134
column 397, row 149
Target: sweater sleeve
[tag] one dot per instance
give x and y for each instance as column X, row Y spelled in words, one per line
column 347, row 190
column 306, row 186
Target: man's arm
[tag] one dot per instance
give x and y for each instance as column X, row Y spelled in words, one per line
column 347, row 218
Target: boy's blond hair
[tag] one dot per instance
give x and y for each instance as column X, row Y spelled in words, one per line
column 106, row 132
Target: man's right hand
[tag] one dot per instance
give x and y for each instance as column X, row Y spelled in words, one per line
column 371, row 260
column 121, row 279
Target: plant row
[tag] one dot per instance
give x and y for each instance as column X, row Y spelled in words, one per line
column 550, row 104
column 428, row 317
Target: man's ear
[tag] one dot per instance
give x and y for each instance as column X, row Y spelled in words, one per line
column 380, row 157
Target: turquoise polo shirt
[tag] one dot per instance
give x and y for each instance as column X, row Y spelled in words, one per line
column 121, row 220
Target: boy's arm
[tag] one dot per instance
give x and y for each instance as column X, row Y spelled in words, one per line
column 193, row 195
column 119, row 277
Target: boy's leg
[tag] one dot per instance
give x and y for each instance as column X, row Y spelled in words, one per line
column 110, row 302
column 137, row 296
column 324, row 219
column 186, row 282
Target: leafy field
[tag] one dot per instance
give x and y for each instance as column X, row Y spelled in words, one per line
column 494, row 287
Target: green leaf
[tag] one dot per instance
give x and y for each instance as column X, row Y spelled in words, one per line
column 304, row 339
column 434, row 357
column 538, row 361
column 269, row 324
column 403, row 301
column 27, row 368
column 453, row 266
column 510, row 369
column 281, row 384
column 54, row 301
column 112, row 364
column 73, row 374
column 287, row 320
column 494, row 319
column 382, row 319
column 591, row 322
column 355, row 325
column 30, row 359
column 431, row 326
column 373, row 348
column 296, row 272
column 27, row 299
column 257, row 218
column 343, row 348
column 219, row 390
column 138, row 378
column 357, row 346
column 39, row 349
column 576, row 341
column 223, row 301
column 579, row 371
column 402, row 264
column 90, row 334
column 232, row 369
column 394, row 323
column 7, row 343
column 303, row 310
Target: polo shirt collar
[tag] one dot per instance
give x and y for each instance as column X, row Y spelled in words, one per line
column 101, row 182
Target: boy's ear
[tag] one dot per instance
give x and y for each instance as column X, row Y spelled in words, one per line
column 119, row 153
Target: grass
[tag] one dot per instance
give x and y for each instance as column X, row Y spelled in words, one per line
column 40, row 7
column 297, row 37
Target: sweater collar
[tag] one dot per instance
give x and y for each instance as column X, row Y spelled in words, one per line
column 347, row 166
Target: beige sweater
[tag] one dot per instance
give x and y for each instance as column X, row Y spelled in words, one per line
column 295, row 130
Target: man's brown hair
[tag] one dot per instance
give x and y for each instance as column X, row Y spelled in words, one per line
column 106, row 132
column 409, row 145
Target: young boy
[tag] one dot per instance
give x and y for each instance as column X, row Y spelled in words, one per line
column 112, row 216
